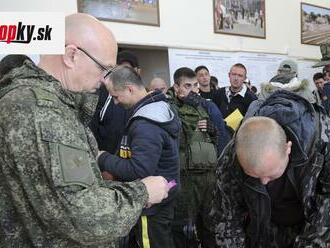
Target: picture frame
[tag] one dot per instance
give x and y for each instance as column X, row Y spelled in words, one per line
column 315, row 24
column 142, row 12
column 240, row 17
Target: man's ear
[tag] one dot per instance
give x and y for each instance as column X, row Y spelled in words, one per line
column 176, row 88
column 69, row 57
column 288, row 147
column 130, row 88
column 138, row 70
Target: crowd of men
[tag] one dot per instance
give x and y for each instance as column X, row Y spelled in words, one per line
column 91, row 156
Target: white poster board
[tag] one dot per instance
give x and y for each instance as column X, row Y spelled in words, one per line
column 218, row 63
column 261, row 67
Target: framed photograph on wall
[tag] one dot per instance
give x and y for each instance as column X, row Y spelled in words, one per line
column 240, row 17
column 315, row 24
column 144, row 12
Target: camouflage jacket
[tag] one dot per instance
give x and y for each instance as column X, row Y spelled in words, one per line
column 241, row 208
column 51, row 191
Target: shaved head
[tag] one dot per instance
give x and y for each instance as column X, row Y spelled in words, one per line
column 256, row 138
column 90, row 49
column 262, row 148
column 86, row 31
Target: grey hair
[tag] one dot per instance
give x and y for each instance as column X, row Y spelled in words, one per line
column 124, row 75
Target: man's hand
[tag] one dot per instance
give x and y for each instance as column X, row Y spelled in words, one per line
column 207, row 126
column 202, row 125
column 193, row 99
column 157, row 188
column 107, row 176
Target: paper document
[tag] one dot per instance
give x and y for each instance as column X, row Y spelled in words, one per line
column 233, row 120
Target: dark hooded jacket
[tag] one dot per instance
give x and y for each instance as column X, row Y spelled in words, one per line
column 150, row 146
column 243, row 210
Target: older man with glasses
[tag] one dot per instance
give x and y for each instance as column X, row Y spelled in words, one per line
column 51, row 191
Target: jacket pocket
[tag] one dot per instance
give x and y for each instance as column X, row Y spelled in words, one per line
column 70, row 163
column 203, row 155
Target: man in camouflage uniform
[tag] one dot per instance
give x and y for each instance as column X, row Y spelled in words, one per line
column 51, row 191
column 203, row 138
column 273, row 178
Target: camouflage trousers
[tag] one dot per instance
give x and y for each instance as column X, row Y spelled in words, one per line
column 190, row 226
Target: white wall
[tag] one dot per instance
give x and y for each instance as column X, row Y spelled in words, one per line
column 150, row 69
column 189, row 24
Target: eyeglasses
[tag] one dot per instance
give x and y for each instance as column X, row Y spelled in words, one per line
column 108, row 70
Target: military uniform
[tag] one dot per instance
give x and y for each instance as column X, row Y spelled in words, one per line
column 294, row 213
column 51, row 191
column 198, row 158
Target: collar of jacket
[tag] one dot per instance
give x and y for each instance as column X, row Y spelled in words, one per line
column 85, row 103
column 170, row 95
column 302, row 88
column 154, row 96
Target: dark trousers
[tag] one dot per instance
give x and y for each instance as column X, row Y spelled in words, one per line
column 154, row 231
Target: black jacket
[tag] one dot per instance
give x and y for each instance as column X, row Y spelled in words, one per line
column 237, row 102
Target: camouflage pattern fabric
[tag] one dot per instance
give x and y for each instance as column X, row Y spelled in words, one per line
column 51, row 191
column 240, row 210
column 197, row 181
column 192, row 208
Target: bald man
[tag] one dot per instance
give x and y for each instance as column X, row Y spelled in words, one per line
column 51, row 192
column 158, row 84
column 266, row 194
column 261, row 157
